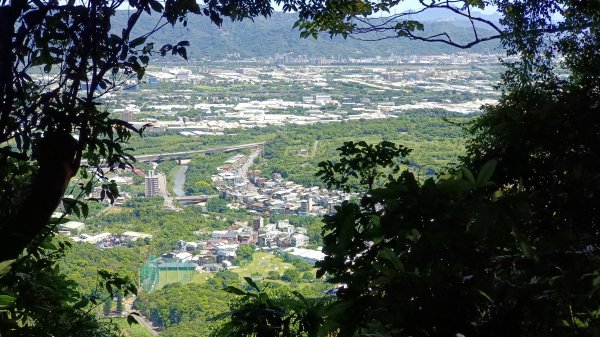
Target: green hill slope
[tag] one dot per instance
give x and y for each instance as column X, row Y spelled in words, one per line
column 268, row 37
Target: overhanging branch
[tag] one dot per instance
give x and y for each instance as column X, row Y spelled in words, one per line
column 388, row 27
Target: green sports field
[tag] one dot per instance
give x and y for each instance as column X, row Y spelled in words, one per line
column 173, row 276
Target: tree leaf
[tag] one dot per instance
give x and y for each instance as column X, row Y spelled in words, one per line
column 468, row 175
column 234, row 290
column 486, row 296
column 137, row 42
column 131, row 320
column 389, row 255
column 5, row 266
column 251, row 283
column 486, row 173
column 6, row 300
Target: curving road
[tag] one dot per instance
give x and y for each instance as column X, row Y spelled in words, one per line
column 142, row 320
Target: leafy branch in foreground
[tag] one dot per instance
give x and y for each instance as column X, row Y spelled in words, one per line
column 59, row 60
column 361, row 165
column 457, row 255
column 261, row 313
column 66, row 57
column 47, row 303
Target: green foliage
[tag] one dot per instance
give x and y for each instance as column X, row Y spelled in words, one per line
column 203, row 187
column 244, row 253
column 308, row 276
column 297, row 262
column 462, row 255
column 119, row 303
column 224, row 279
column 363, row 162
column 509, row 250
column 82, row 262
column 377, row 20
column 176, row 304
column 106, row 306
column 291, row 275
column 436, row 137
column 457, row 255
column 404, row 257
column 168, row 167
column 437, row 144
column 262, row 313
column 39, row 155
column 273, row 275
column 200, row 169
column 217, row 205
column 134, row 330
column 36, row 121
column 148, row 215
column 200, row 307
column 49, row 291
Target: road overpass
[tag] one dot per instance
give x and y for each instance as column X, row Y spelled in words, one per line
column 189, row 154
column 195, row 198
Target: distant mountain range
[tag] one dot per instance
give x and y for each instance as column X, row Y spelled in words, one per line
column 268, row 37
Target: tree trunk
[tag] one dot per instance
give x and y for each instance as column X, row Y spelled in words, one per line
column 56, row 168
column 55, row 155
column 8, row 19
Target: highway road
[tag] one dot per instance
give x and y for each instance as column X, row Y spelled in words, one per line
column 186, row 154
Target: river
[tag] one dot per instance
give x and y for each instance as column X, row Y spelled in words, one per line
column 180, row 181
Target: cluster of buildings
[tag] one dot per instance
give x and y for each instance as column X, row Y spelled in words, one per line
column 321, row 95
column 219, row 250
column 274, row 196
column 278, row 196
column 75, row 231
column 455, row 58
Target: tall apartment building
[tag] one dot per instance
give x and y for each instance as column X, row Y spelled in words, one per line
column 127, row 116
column 306, row 205
column 154, row 184
column 258, row 223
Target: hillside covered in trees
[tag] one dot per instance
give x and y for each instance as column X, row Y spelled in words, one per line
column 266, row 37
